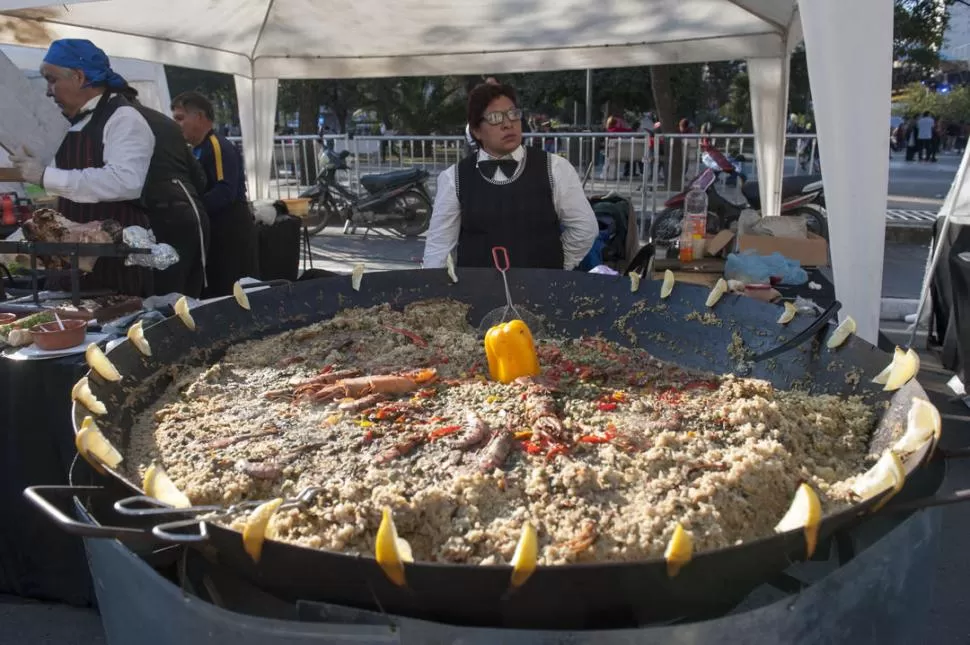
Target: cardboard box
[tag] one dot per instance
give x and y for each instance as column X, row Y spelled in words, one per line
column 812, row 251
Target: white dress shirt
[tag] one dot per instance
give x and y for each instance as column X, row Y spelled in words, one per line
column 569, row 199
column 128, row 146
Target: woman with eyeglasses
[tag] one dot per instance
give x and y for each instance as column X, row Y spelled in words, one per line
column 525, row 199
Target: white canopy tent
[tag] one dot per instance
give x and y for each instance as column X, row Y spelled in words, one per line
column 146, row 77
column 261, row 41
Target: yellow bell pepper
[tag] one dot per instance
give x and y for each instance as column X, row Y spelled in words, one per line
column 511, row 352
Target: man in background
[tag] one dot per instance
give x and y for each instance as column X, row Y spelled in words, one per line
column 924, row 136
column 232, row 245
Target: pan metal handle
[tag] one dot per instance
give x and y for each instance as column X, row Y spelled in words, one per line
column 175, row 533
column 804, row 335
column 37, row 495
column 145, row 506
column 744, row 367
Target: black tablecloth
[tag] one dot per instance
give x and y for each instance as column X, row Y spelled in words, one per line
column 950, row 288
column 38, row 560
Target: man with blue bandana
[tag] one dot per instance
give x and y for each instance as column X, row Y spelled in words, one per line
column 101, row 167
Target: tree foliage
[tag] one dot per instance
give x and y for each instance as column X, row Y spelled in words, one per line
column 218, row 88
column 918, row 30
column 951, row 106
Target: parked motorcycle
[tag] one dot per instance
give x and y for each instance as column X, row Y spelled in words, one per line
column 397, row 201
column 802, row 195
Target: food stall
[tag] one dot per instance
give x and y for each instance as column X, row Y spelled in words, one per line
column 251, row 552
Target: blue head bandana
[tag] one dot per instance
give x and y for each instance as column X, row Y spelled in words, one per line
column 75, row 53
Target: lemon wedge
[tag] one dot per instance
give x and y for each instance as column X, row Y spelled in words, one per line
column 255, row 533
column 902, row 371
column 81, row 392
column 887, row 473
column 679, row 550
column 923, row 423
column 94, row 447
column 391, row 551
column 450, row 263
column 240, row 295
column 788, row 315
column 845, row 329
column 804, row 513
column 101, row 364
column 634, row 281
column 356, row 276
column 720, row 288
column 883, row 377
column 668, row 286
column 526, row 555
column 157, row 484
column 182, row 311
column 136, row 334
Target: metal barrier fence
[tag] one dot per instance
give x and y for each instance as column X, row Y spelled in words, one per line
column 633, row 164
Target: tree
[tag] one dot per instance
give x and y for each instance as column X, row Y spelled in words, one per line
column 218, row 88
column 420, row 104
column 307, row 96
column 663, row 96
column 918, row 30
column 916, row 99
column 738, row 108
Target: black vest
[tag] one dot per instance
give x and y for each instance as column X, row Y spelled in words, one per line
column 519, row 215
column 171, row 160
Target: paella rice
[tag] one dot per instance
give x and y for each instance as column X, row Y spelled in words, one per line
column 604, row 452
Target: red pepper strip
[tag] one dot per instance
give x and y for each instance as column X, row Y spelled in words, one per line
column 592, row 438
column 368, row 436
column 531, row 448
column 606, row 407
column 427, row 393
column 556, row 450
column 414, row 338
column 441, row 432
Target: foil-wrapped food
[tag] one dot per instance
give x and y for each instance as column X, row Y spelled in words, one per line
column 162, row 256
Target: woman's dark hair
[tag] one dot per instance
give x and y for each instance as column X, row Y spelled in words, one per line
column 194, row 102
column 482, row 95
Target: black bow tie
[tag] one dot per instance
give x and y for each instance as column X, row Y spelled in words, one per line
column 489, row 166
column 77, row 118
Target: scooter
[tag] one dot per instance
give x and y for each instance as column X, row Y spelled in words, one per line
column 801, row 195
column 397, row 201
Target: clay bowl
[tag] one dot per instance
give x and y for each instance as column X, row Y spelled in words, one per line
column 50, row 336
column 7, row 318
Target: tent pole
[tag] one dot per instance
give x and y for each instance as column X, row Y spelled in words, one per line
column 589, row 98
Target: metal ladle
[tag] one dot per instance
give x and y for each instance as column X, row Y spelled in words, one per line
column 499, row 315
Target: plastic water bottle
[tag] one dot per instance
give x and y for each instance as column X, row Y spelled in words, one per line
column 694, row 225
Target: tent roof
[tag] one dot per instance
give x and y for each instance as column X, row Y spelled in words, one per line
column 370, row 38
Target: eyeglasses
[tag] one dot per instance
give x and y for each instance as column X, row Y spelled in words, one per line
column 496, row 118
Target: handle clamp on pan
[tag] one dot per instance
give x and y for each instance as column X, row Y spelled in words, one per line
column 744, row 367
column 38, row 496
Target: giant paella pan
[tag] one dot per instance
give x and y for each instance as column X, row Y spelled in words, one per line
column 348, row 440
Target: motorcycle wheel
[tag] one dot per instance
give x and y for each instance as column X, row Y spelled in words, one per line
column 323, row 213
column 414, row 209
column 667, row 225
column 816, row 219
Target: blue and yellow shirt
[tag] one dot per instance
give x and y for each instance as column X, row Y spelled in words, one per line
column 225, row 177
